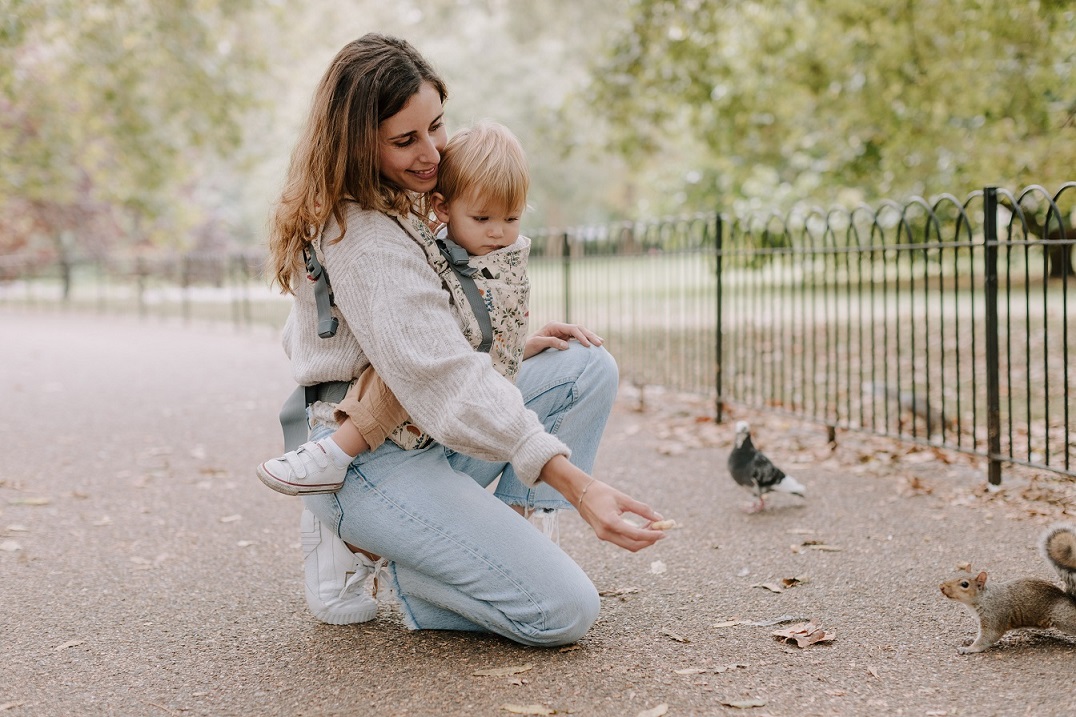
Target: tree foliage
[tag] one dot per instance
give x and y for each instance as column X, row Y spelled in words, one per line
column 106, row 109
column 803, row 97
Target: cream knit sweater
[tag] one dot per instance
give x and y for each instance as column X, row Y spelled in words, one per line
column 395, row 315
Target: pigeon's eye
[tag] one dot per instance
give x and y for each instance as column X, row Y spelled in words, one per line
column 964, row 584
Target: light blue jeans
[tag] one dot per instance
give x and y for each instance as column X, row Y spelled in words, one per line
column 460, row 557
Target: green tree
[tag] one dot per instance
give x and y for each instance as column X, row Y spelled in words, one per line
column 108, row 111
column 806, row 98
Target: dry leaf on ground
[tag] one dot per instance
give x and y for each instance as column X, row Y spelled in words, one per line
column 778, row 621
column 744, row 704
column 674, row 636
column 617, row 592
column 502, row 671
column 528, row 709
column 804, row 634
column 658, row 711
column 69, row 643
column 772, row 587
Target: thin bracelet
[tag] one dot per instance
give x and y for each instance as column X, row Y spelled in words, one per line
column 584, row 493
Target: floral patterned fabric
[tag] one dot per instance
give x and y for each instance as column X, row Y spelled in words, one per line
column 503, row 284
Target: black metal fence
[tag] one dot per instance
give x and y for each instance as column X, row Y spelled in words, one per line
column 947, row 322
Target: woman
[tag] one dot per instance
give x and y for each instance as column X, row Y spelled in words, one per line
column 459, row 557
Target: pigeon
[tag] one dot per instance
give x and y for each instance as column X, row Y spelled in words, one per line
column 754, row 471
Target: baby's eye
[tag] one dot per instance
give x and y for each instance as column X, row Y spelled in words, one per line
column 481, row 219
column 512, row 220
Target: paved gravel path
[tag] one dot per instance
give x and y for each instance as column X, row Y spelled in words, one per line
column 145, row 571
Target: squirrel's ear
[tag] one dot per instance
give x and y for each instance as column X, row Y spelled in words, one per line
column 980, row 579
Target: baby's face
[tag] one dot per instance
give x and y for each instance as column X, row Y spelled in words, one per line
column 479, row 228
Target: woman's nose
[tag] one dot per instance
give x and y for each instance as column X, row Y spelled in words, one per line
column 430, row 152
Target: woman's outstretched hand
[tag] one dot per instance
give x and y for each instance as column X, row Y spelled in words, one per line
column 602, row 506
column 555, row 335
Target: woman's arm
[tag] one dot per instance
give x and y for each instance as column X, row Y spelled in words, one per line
column 602, row 506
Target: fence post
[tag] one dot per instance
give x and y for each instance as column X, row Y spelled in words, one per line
column 993, row 392
column 718, row 342
column 566, row 260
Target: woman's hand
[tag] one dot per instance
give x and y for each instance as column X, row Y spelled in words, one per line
column 602, row 506
column 556, row 335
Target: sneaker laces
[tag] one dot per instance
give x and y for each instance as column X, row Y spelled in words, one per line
column 547, row 521
column 382, row 574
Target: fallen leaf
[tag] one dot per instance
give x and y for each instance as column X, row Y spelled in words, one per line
column 793, row 582
column 32, row 501
column 528, row 709
column 728, row 623
column 570, row 648
column 245, row 543
column 691, row 671
column 744, row 704
column 618, row 593
column 772, row 587
column 819, row 545
column 658, row 711
column 502, row 671
column 10, row 546
column 231, row 518
column 777, row 621
column 657, row 567
column 674, row 636
column 11, row 705
column 837, row 693
column 804, row 634
column 873, row 672
column 726, row 668
column 69, row 643
column 18, row 529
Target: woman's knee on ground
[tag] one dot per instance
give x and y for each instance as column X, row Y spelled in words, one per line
column 567, row 618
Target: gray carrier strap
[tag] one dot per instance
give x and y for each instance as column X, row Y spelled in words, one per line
column 458, row 259
column 293, row 412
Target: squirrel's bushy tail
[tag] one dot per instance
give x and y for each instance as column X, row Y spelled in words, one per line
column 1059, row 549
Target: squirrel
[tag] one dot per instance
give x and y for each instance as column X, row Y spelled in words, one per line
column 1025, row 602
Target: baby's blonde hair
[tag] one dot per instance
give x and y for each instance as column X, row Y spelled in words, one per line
column 485, row 162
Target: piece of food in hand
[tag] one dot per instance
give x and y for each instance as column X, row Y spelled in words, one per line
column 663, row 524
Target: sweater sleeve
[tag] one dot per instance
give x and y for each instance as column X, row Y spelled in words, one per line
column 393, row 301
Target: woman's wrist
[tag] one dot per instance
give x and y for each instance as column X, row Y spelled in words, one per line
column 568, row 480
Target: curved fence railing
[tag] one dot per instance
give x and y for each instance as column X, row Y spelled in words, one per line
column 947, row 321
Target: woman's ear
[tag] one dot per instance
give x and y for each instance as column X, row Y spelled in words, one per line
column 439, row 206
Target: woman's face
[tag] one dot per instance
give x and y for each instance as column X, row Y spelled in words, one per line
column 410, row 142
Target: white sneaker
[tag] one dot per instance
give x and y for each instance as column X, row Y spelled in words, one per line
column 335, row 577
column 308, row 470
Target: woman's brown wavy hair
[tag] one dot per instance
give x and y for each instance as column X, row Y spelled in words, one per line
column 336, row 159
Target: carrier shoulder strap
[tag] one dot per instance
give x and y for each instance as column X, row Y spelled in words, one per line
column 458, row 259
column 323, row 293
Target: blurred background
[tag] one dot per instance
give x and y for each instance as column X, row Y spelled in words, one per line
column 127, row 123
